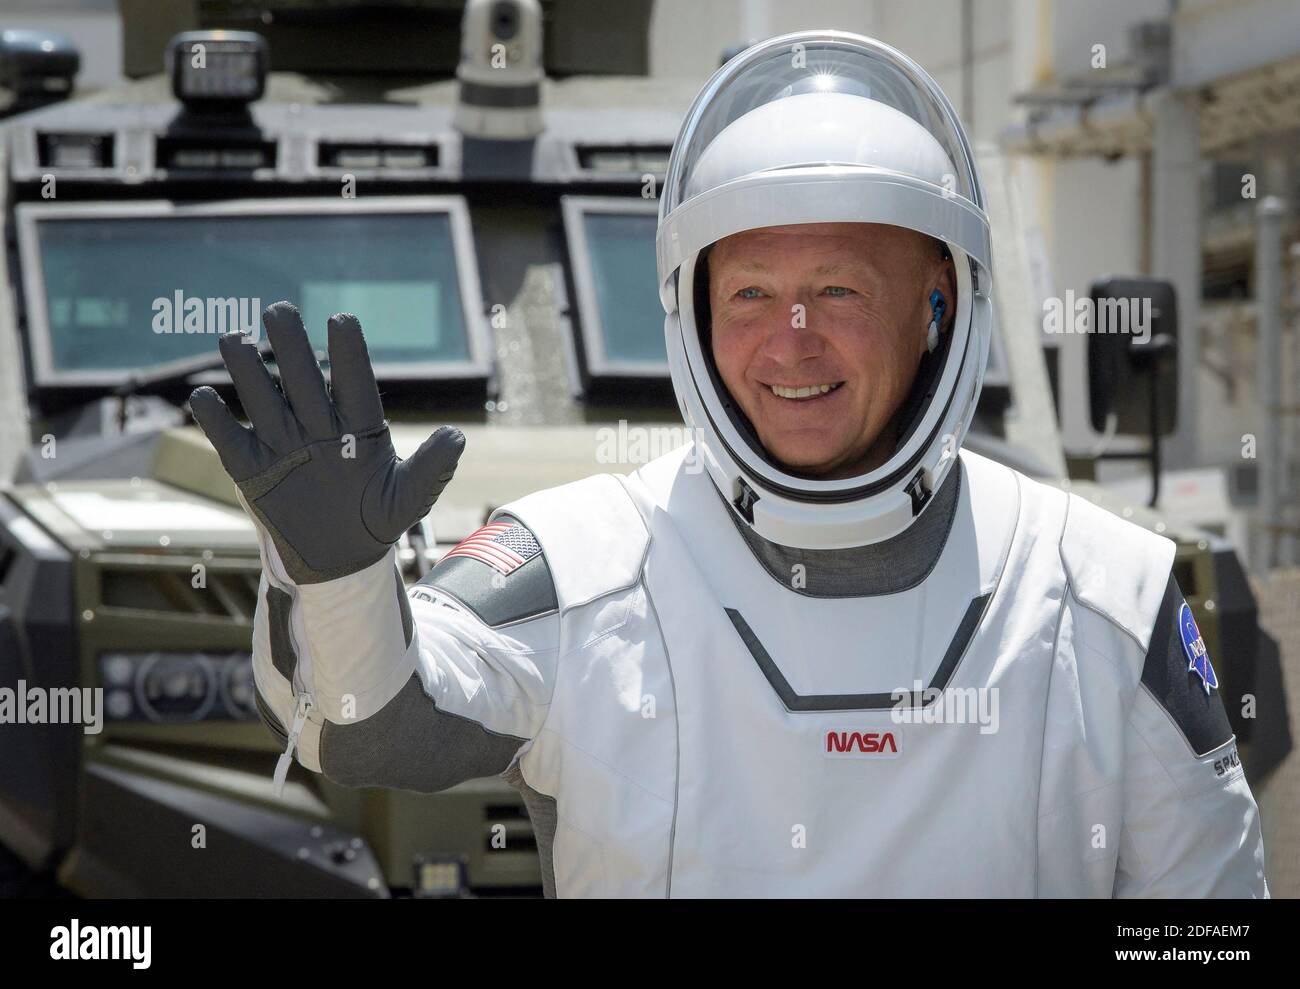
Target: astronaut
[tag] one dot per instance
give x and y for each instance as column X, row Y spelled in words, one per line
column 845, row 658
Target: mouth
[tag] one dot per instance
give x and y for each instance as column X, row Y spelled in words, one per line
column 804, row 393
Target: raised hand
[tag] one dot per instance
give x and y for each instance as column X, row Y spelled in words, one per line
column 318, row 468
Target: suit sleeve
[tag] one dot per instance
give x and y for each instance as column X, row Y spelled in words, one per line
column 416, row 688
column 1191, row 826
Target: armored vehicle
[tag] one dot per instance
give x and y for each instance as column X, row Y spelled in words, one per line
column 485, row 200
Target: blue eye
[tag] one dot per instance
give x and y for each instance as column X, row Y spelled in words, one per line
column 838, row 291
column 756, row 292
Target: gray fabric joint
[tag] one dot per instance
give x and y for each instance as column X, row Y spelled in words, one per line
column 410, row 744
column 283, row 656
column 888, row 567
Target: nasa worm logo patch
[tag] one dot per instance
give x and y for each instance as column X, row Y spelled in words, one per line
column 1198, row 659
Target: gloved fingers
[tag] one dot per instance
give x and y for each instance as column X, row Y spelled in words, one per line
column 352, row 380
column 241, row 453
column 405, row 494
column 261, row 399
column 300, row 376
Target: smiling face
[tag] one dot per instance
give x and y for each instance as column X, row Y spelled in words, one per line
column 818, row 330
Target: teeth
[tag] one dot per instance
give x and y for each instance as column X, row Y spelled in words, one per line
column 807, row 391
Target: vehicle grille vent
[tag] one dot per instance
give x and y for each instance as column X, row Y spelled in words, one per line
column 225, row 594
column 188, row 155
column 389, row 156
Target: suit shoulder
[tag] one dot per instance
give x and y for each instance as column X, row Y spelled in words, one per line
column 592, row 534
column 1115, row 567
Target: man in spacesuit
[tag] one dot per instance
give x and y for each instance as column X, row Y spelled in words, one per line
column 846, row 659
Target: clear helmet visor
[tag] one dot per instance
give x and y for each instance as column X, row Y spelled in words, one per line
column 819, row 98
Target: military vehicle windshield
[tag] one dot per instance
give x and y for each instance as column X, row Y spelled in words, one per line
column 128, row 286
column 612, row 242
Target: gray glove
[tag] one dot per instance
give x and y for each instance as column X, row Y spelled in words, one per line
column 321, row 475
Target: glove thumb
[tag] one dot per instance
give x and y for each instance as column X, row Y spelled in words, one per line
column 417, row 481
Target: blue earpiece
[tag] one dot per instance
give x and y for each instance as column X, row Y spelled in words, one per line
column 937, row 306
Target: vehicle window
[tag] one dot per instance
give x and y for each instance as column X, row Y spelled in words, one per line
column 124, row 292
column 612, row 245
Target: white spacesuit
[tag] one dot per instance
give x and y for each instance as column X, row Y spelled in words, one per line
column 940, row 678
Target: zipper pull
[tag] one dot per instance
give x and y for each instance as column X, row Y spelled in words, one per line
column 286, row 758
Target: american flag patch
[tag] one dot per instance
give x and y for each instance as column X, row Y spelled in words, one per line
column 504, row 546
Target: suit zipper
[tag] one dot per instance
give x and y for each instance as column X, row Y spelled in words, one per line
column 304, row 701
column 302, row 707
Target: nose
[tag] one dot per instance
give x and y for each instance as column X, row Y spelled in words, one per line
column 789, row 338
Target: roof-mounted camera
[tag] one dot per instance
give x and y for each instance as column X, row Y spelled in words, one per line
column 500, row 70
column 218, row 72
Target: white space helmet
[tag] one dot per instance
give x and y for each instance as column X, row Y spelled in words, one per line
column 824, row 127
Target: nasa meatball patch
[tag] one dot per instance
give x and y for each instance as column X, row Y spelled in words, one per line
column 1198, row 659
column 1179, row 675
